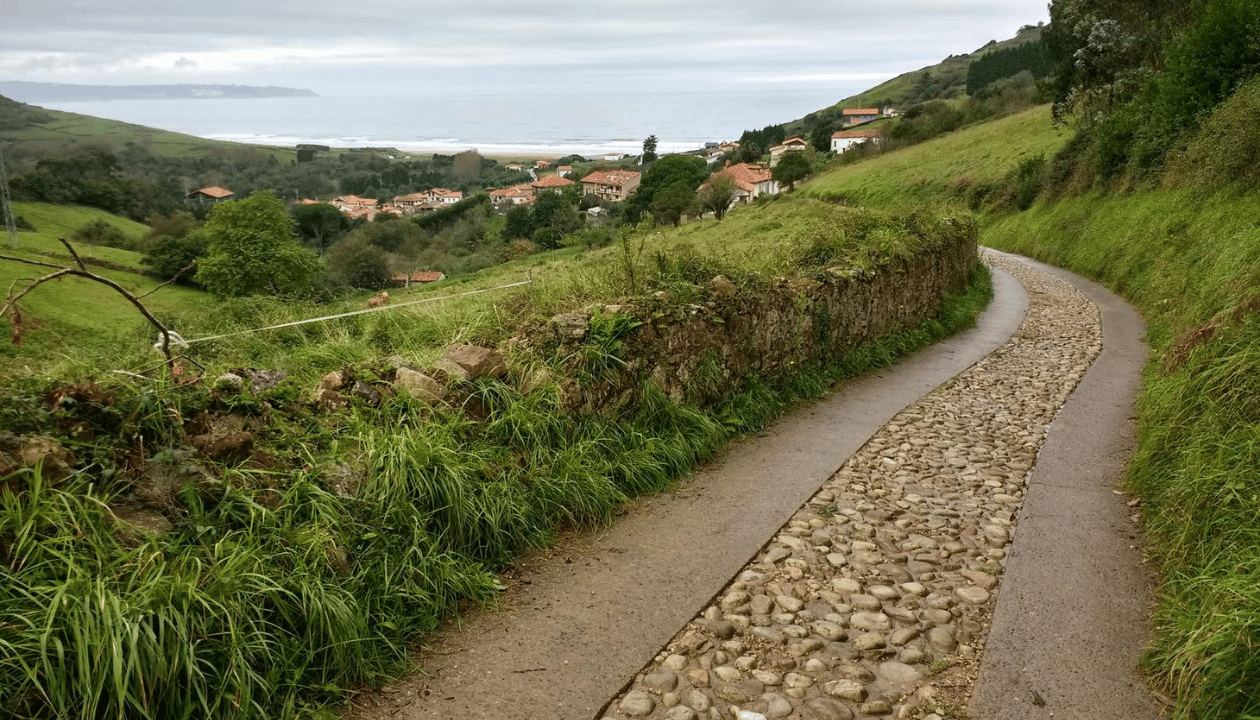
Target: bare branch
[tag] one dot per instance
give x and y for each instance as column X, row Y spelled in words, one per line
column 84, row 273
column 74, row 254
column 174, row 277
column 30, row 262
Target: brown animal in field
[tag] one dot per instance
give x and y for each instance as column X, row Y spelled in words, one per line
column 379, row 301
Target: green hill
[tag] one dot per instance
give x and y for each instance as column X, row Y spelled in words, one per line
column 33, row 131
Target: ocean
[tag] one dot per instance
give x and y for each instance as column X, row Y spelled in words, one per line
column 493, row 124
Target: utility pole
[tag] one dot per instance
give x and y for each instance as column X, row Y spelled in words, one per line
column 9, row 222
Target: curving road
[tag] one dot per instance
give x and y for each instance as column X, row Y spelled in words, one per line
column 827, row 567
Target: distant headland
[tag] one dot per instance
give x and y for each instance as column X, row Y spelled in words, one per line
column 38, row 92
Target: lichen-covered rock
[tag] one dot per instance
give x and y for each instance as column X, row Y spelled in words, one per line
column 366, row 393
column 229, row 382
column 47, row 453
column 571, row 325
column 476, row 362
column 420, row 386
column 331, row 400
column 225, row 446
column 334, row 381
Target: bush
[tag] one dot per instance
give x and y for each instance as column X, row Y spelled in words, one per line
column 1226, row 149
column 169, row 255
column 100, row 232
column 358, row 263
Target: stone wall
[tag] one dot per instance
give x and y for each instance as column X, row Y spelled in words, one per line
column 703, row 351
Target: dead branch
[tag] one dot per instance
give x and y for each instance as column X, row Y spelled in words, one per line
column 174, row 277
column 83, row 272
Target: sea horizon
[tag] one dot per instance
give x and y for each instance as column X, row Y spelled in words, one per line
column 588, row 124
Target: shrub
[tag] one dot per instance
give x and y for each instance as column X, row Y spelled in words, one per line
column 100, row 232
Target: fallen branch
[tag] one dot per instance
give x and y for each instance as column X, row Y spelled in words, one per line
column 83, row 272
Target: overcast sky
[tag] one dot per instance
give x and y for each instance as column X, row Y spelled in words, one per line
column 394, row 47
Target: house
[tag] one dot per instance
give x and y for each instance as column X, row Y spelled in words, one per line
column 542, row 165
column 352, row 203
column 417, row 278
column 856, row 116
column 564, row 170
column 796, row 143
column 752, row 181
column 413, row 203
column 612, row 185
column 550, row 182
column 718, row 151
column 442, row 196
column 515, row 195
column 614, row 156
column 209, row 195
column 842, row 140
column 513, row 166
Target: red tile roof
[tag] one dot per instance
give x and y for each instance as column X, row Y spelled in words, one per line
column 854, row 134
column 611, row 177
column 746, row 175
column 213, row 191
column 552, row 181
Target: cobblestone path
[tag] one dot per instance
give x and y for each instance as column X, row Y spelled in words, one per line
column 875, row 598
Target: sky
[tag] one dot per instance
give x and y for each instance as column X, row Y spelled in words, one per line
column 405, row 47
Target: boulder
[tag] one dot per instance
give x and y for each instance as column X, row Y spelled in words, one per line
column 476, row 362
column 571, row 325
column 721, row 286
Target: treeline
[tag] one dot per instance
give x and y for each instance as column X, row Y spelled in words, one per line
column 1030, row 57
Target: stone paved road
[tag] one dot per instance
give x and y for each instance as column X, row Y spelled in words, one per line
column 872, row 599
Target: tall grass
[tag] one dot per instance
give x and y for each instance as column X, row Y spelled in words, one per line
column 1190, row 261
column 278, row 590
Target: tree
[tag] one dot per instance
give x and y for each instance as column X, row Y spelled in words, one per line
column 793, row 167
column 520, row 223
column 669, row 170
column 669, row 204
column 718, row 195
column 170, row 255
column 649, row 149
column 253, row 250
column 319, row 224
column 359, row 264
column 466, row 166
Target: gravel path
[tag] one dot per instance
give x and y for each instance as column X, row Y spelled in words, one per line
column 876, row 597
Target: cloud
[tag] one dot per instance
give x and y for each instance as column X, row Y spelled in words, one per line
column 379, row 44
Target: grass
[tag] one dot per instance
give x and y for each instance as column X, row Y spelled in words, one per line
column 73, row 320
column 1190, row 262
column 67, row 129
column 277, row 589
column 938, row 169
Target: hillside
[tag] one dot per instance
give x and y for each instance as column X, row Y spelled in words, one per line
column 31, row 131
column 944, row 80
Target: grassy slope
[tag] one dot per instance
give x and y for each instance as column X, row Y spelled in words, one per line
column 75, row 317
column 1189, row 260
column 899, row 89
column 67, row 129
column 1191, row 264
column 928, row 172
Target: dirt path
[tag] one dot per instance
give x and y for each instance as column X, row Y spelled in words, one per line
column 580, row 623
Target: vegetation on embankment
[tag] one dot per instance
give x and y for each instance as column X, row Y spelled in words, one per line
column 1191, row 264
column 147, row 580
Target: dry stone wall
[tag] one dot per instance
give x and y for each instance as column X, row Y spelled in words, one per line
column 703, row 351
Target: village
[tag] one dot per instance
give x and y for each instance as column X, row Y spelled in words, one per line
column 607, row 186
